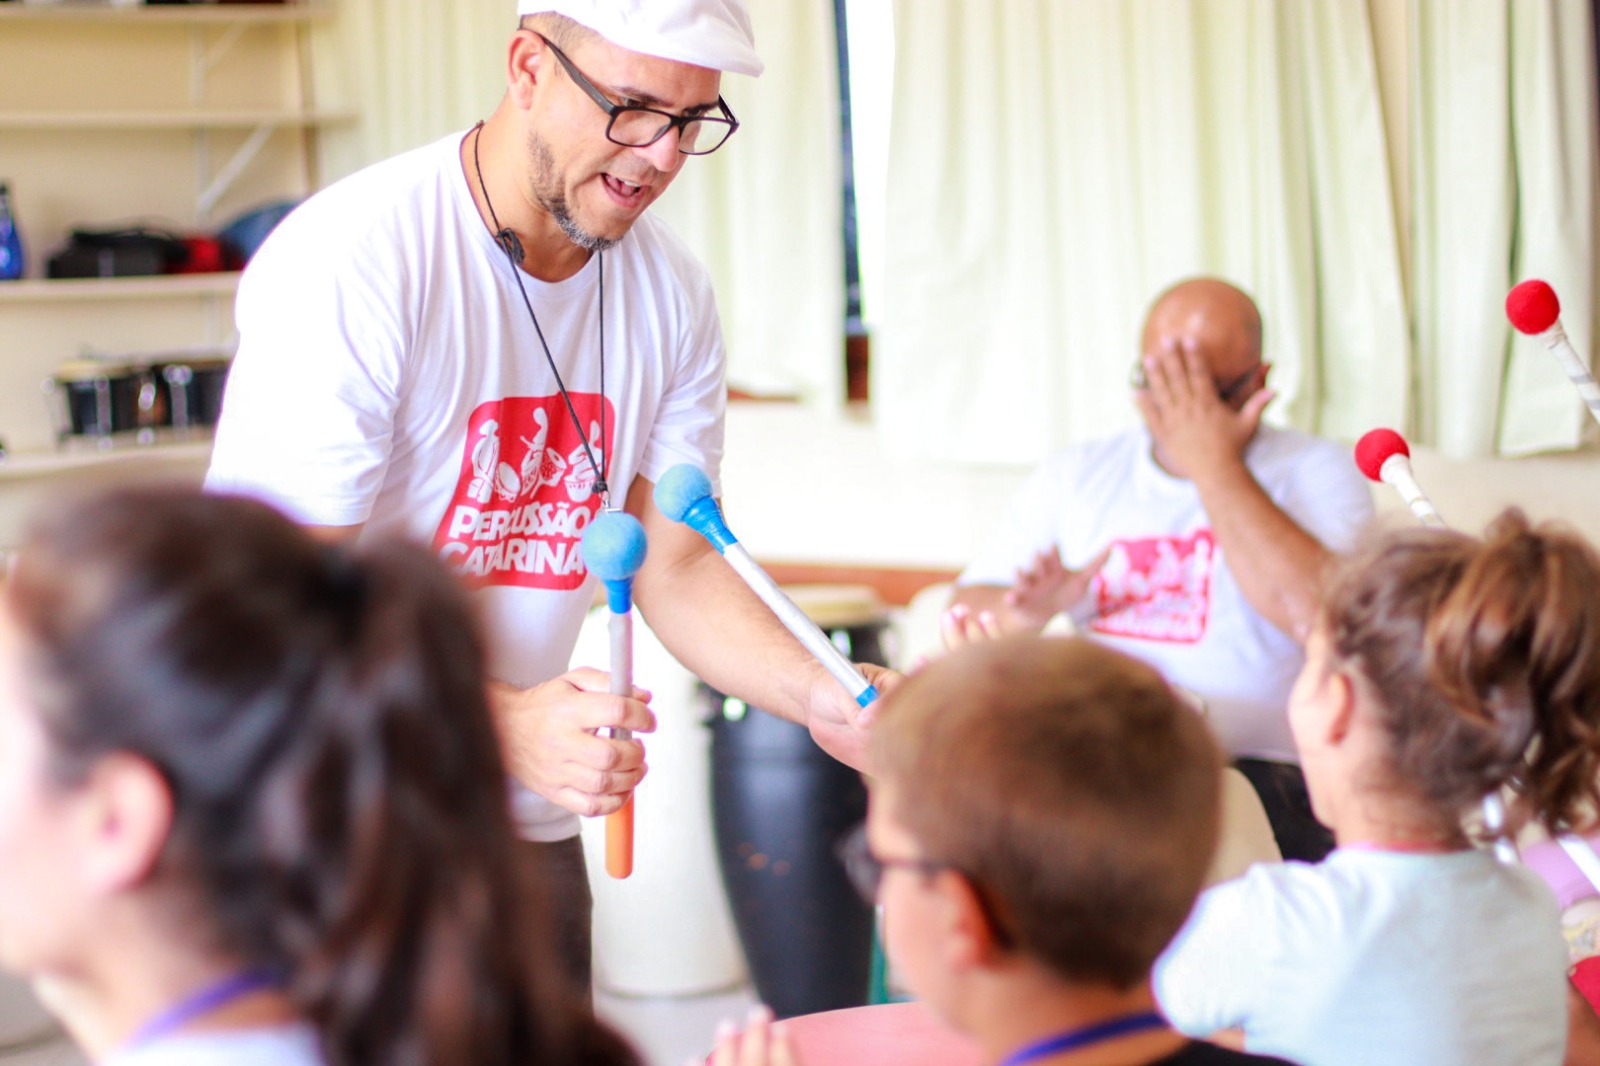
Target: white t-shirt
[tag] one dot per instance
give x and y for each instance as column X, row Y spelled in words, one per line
column 1376, row 957
column 388, row 374
column 290, row 1045
column 1166, row 595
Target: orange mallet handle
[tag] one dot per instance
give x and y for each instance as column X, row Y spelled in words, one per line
column 619, row 841
column 613, row 548
column 619, row 824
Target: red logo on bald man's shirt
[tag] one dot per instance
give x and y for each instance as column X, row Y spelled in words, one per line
column 526, row 492
column 1158, row 588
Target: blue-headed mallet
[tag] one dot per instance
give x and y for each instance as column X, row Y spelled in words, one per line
column 613, row 548
column 684, row 495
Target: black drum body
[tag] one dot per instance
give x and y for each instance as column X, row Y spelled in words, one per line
column 106, row 400
column 194, row 391
column 103, row 399
column 779, row 806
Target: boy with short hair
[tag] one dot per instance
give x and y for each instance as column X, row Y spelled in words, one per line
column 1043, row 815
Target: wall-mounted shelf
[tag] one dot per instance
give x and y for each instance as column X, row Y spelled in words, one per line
column 180, row 116
column 171, row 120
column 169, row 14
column 86, row 290
column 213, row 101
column 83, row 456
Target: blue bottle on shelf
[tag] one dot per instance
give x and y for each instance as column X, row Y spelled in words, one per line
column 10, row 240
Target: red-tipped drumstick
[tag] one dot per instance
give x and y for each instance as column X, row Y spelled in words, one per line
column 1533, row 309
column 1382, row 455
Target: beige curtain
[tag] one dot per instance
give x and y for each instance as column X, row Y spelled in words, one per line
column 1053, row 165
column 762, row 213
column 413, row 70
column 1504, row 131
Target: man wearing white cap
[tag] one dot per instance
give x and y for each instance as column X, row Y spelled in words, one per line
column 482, row 341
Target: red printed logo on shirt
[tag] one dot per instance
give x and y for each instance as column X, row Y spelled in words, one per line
column 1158, row 588
column 526, row 492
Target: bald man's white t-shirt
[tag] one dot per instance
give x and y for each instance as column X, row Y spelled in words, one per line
column 1167, row 595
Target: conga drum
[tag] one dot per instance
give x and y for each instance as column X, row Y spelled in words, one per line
column 779, row 806
column 195, row 387
column 104, row 398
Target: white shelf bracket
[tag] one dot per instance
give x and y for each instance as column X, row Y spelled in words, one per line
column 219, row 47
column 230, row 171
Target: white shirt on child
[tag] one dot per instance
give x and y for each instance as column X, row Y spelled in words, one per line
column 1376, row 957
column 290, row 1045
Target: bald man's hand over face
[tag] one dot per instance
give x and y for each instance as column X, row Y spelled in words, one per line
column 1196, row 430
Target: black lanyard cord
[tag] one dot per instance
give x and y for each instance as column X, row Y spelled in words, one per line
column 508, row 242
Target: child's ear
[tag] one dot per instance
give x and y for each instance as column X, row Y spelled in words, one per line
column 125, row 815
column 1341, row 707
column 972, row 940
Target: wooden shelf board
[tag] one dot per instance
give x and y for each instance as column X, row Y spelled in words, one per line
column 163, row 286
column 168, row 14
column 83, row 455
column 171, row 120
column 894, row 585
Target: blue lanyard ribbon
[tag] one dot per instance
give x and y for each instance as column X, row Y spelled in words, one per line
column 1073, row 1039
column 199, row 1004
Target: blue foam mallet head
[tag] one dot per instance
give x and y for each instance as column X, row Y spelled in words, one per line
column 684, row 495
column 613, row 548
column 680, row 488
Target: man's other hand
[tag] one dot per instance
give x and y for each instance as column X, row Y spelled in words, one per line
column 549, row 734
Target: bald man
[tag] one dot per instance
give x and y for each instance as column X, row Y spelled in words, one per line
column 1195, row 543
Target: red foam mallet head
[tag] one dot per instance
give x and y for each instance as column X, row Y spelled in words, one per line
column 1374, row 447
column 1532, row 307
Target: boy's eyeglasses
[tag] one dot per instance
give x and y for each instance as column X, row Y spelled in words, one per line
column 865, row 870
column 636, row 127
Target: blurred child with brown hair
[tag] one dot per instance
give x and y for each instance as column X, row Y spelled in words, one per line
column 1444, row 668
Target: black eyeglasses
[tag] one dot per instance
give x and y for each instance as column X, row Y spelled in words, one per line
column 636, row 127
column 1225, row 393
column 865, row 870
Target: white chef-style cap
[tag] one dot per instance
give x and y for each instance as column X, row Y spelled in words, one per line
column 706, row 33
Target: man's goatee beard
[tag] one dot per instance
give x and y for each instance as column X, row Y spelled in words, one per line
column 576, row 233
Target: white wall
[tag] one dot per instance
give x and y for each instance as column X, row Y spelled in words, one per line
column 1469, row 493
column 801, row 486
column 810, row 487
column 807, row 486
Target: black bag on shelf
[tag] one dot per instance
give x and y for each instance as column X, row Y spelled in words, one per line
column 117, row 253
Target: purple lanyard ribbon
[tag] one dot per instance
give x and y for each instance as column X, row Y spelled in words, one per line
column 199, row 1004
column 1073, row 1039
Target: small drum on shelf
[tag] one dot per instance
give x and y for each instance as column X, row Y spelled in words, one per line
column 194, row 389
column 780, row 804
column 102, row 398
